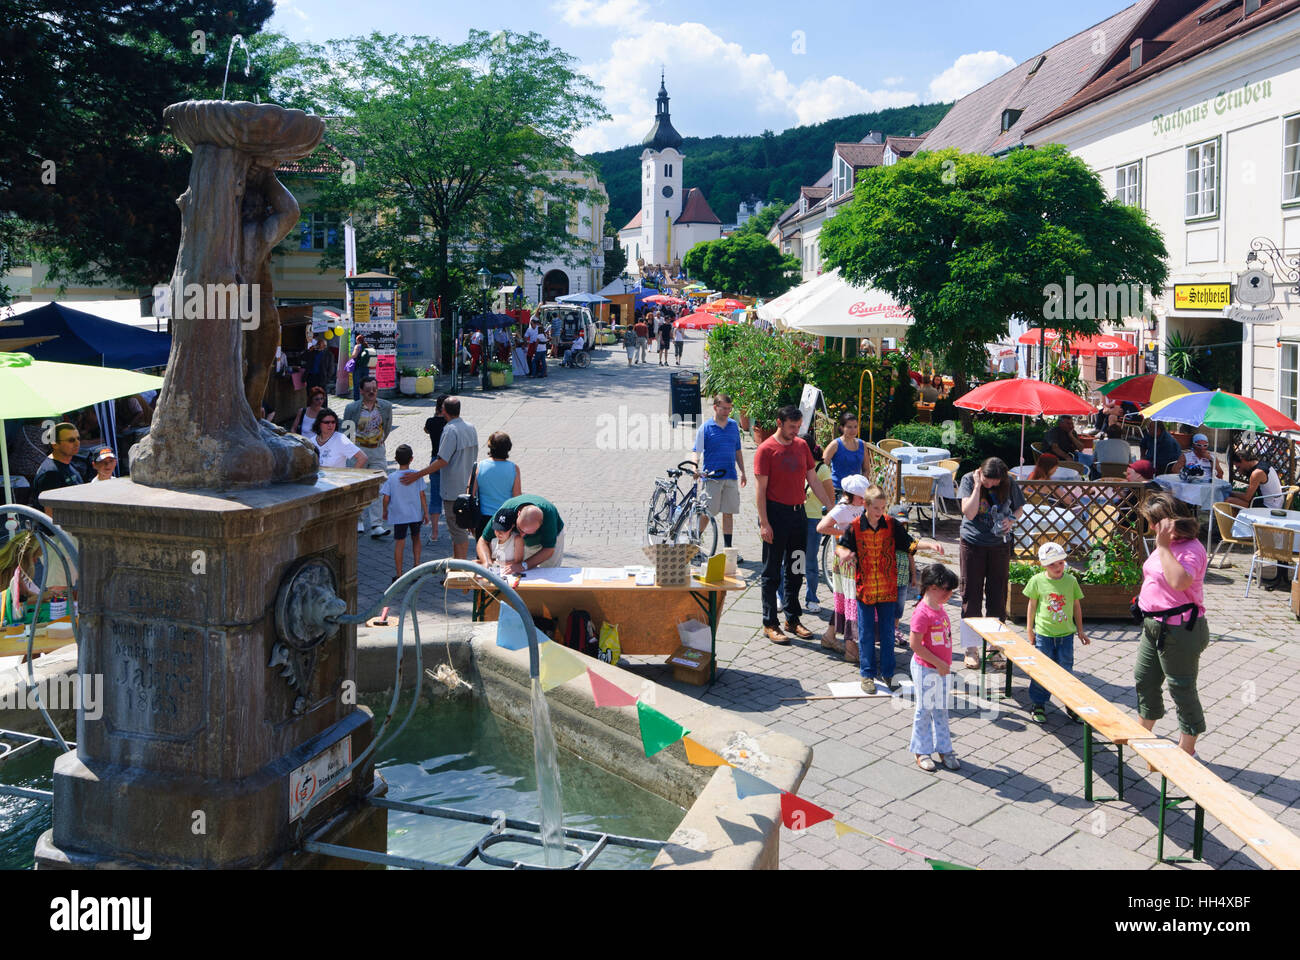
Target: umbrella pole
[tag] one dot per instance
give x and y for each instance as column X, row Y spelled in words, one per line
column 4, row 458
column 1022, row 440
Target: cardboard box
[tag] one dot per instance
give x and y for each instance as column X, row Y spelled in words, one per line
column 690, row 665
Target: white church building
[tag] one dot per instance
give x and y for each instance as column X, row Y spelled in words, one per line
column 671, row 220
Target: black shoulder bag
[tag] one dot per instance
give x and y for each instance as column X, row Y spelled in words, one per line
column 466, row 509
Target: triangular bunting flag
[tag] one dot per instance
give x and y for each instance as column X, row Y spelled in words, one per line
column 557, row 666
column 702, row 756
column 657, row 730
column 748, row 785
column 842, row 828
column 510, row 630
column 945, row 865
column 606, row 694
column 798, row 814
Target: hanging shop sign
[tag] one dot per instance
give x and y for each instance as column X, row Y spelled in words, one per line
column 1202, row 296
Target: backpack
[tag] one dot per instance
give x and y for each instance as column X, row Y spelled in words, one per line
column 579, row 634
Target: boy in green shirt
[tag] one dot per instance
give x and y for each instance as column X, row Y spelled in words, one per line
column 1053, row 617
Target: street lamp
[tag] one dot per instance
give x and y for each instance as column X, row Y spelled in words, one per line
column 484, row 282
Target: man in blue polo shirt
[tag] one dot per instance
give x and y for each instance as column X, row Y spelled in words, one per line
column 717, row 447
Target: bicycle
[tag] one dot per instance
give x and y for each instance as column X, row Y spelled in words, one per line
column 676, row 516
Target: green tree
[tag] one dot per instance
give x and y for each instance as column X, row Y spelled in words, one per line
column 85, row 164
column 616, row 259
column 745, row 263
column 462, row 153
column 968, row 242
column 765, row 219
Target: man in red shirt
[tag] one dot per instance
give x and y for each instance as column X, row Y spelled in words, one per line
column 783, row 465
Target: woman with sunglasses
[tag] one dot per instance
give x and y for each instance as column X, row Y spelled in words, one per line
column 335, row 449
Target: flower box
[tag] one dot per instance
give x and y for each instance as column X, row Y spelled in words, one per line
column 496, row 379
column 1101, row 601
column 406, row 385
column 423, row 386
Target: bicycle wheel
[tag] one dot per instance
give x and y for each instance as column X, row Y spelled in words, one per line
column 706, row 539
column 661, row 511
column 825, row 557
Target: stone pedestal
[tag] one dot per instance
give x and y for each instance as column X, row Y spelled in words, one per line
column 192, row 760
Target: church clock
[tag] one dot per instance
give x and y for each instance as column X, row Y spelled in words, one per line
column 668, row 191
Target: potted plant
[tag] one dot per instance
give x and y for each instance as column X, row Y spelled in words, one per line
column 498, row 373
column 1109, row 582
column 424, row 378
column 406, row 381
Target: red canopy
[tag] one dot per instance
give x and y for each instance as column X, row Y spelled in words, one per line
column 1037, row 336
column 662, row 298
column 1103, row 345
column 1026, row 398
column 701, row 321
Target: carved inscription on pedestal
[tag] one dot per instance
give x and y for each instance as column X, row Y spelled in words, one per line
column 154, row 679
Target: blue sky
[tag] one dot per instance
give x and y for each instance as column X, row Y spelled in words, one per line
column 739, row 67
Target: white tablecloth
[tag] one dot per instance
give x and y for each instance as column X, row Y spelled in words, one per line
column 1246, row 519
column 1062, row 473
column 919, row 454
column 1198, row 494
column 1062, row 519
column 943, row 484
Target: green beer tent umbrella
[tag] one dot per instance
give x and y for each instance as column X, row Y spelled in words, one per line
column 37, row 388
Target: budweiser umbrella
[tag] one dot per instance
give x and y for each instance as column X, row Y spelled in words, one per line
column 1029, row 398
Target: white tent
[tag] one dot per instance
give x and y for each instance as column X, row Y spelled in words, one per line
column 775, row 310
column 836, row 308
column 119, row 311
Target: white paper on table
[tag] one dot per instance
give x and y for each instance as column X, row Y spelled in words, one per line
column 604, row 574
column 568, row 576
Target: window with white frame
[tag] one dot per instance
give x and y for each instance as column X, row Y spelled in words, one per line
column 1203, row 180
column 1288, row 381
column 1291, row 159
column 1128, row 184
column 843, row 177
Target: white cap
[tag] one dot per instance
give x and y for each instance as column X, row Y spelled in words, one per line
column 1050, row 553
column 856, row 484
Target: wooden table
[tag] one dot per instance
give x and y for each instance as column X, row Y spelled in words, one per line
column 647, row 617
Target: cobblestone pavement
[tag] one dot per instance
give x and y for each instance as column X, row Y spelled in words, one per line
column 1018, row 800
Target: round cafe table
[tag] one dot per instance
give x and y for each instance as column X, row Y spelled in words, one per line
column 1062, row 473
column 919, row 454
column 1199, row 493
column 943, row 485
column 1246, row 519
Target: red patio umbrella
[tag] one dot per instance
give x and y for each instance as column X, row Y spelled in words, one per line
column 663, row 298
column 1027, row 398
column 723, row 306
column 1102, row 345
column 1038, row 335
column 701, row 321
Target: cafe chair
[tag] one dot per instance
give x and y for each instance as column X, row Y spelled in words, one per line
column 919, row 492
column 1038, row 450
column 1077, row 467
column 891, row 443
column 1274, row 546
column 1288, row 496
column 1113, row 471
column 1224, row 515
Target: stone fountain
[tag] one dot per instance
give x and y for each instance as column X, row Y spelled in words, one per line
column 206, row 577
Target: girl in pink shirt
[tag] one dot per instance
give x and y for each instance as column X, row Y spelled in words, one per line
column 931, row 642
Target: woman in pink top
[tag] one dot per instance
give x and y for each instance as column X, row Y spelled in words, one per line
column 931, row 664
column 1174, row 630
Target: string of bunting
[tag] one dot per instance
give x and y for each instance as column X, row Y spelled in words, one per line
column 658, row 731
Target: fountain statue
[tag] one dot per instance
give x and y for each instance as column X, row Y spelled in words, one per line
column 210, row 591
column 207, row 431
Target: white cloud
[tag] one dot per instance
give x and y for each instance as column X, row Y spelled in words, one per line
column 893, row 81
column 969, row 72
column 287, row 6
column 746, row 88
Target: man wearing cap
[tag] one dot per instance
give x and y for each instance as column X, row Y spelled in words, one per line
column 538, row 522
column 1199, row 456
column 105, row 463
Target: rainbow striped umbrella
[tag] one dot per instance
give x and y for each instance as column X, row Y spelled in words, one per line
column 1149, row 388
column 1221, row 411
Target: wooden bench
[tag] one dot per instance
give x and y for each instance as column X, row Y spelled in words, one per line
column 1203, row 787
column 1272, row 841
column 1097, row 713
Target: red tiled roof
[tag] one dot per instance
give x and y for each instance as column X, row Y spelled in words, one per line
column 904, row 146
column 325, row 159
column 634, row 223
column 695, row 209
column 1175, row 30
column 814, row 193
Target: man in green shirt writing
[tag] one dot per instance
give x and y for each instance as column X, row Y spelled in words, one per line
column 538, row 522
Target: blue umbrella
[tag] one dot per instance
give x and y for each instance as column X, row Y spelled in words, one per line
column 489, row 321
column 583, row 298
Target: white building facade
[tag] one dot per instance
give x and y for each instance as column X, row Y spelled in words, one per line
column 1209, row 146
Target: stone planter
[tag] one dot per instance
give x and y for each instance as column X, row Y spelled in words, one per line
column 496, row 379
column 743, row 420
column 1101, row 601
column 423, row 386
column 406, row 385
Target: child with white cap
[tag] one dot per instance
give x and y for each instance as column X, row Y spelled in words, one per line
column 1053, row 617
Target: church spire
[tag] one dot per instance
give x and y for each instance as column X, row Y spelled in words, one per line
column 662, row 135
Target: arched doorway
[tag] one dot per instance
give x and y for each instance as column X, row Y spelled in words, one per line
column 554, row 284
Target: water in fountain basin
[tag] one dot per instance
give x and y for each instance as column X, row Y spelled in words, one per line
column 548, row 779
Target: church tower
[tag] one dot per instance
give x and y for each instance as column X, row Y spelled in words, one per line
column 661, row 184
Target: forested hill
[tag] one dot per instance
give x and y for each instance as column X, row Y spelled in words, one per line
column 771, row 166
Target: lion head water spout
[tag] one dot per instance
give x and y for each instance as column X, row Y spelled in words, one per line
column 225, row 327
